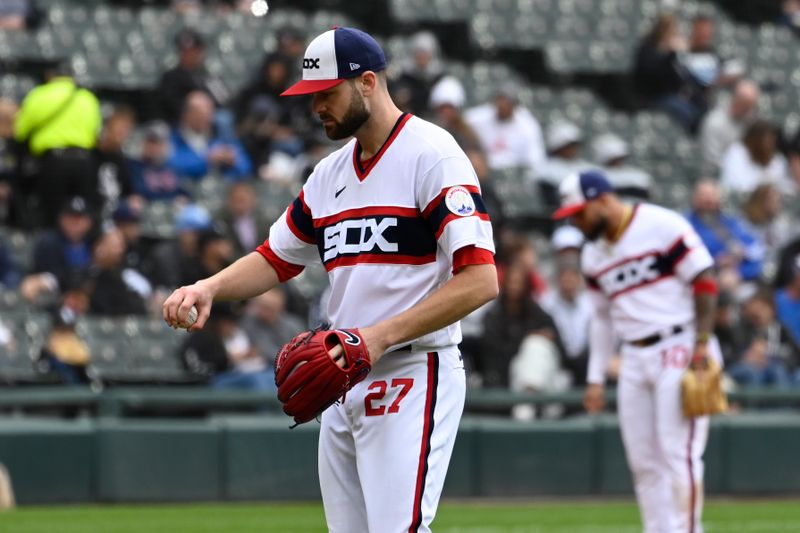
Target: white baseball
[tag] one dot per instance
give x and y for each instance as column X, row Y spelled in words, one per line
column 191, row 318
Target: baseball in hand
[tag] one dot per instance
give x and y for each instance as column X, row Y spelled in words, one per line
column 191, row 318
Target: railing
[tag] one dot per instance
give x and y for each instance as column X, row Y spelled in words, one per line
column 200, row 401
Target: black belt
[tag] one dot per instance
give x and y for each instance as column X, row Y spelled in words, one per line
column 655, row 338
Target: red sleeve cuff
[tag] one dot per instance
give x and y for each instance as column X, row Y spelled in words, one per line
column 471, row 255
column 284, row 269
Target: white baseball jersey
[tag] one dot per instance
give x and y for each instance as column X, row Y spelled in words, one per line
column 645, row 277
column 385, row 229
column 641, row 286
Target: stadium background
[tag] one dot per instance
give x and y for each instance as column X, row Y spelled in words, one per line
column 142, row 429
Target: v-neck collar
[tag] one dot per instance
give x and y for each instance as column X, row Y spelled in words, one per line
column 363, row 168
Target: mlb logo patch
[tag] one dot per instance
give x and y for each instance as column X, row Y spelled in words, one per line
column 459, row 201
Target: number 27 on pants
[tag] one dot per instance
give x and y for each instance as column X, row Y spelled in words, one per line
column 373, row 404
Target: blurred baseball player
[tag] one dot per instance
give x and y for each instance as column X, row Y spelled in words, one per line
column 397, row 219
column 654, row 294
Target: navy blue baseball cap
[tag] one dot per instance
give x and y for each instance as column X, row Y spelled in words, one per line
column 578, row 189
column 335, row 56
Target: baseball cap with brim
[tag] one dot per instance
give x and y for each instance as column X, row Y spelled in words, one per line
column 335, row 56
column 578, row 189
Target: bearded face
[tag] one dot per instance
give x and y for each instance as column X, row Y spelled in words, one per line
column 344, row 111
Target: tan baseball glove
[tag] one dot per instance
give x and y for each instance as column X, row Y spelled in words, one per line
column 701, row 389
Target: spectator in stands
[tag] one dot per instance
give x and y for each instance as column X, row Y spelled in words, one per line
column 224, row 354
column 65, row 352
column 737, row 253
column 724, row 125
column 59, row 121
column 564, row 143
column 571, row 309
column 266, row 123
column 8, row 158
column 61, row 256
column 790, row 15
column 509, row 321
column 764, row 215
column 765, row 356
column 703, row 62
column 152, row 176
column 242, row 222
column 791, row 147
column 112, row 165
column 411, row 91
column 175, row 260
column 127, row 218
column 19, row 15
column 198, row 149
column 188, row 76
column 10, row 274
column 611, row 154
column 726, row 327
column 269, row 325
column 566, row 243
column 787, row 305
column 115, row 290
column 510, row 135
column 214, row 252
column 291, row 43
column 518, row 250
column 446, row 104
column 756, row 160
column 660, row 78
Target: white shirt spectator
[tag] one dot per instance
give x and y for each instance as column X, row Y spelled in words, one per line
column 513, row 143
column 571, row 318
column 717, row 133
column 740, row 174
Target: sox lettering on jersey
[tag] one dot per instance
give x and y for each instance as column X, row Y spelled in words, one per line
column 629, row 275
column 356, row 236
column 635, row 272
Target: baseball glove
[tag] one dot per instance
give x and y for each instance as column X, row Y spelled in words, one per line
column 701, row 389
column 309, row 380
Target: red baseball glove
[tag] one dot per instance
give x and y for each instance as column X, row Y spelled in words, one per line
column 309, row 380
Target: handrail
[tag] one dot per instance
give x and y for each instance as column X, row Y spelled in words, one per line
column 123, row 400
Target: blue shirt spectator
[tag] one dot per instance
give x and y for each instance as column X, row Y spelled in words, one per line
column 10, row 274
column 198, row 150
column 787, row 303
column 152, row 176
column 730, row 242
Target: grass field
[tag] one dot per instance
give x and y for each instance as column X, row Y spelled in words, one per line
column 761, row 516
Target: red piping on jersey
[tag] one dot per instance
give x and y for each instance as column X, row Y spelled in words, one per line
column 385, row 259
column 425, row 446
column 366, row 212
column 450, row 218
column 692, row 489
column 363, row 168
column 284, row 269
column 643, row 255
column 440, row 197
column 289, row 222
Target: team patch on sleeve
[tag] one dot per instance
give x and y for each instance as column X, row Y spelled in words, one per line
column 452, row 203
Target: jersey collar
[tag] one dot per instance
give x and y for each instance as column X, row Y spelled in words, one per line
column 363, row 168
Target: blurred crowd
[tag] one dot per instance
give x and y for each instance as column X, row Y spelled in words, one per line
column 77, row 175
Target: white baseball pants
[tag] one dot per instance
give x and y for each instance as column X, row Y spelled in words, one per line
column 663, row 448
column 384, row 450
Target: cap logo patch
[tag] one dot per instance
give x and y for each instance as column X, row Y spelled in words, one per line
column 354, row 66
column 459, row 201
column 310, row 63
